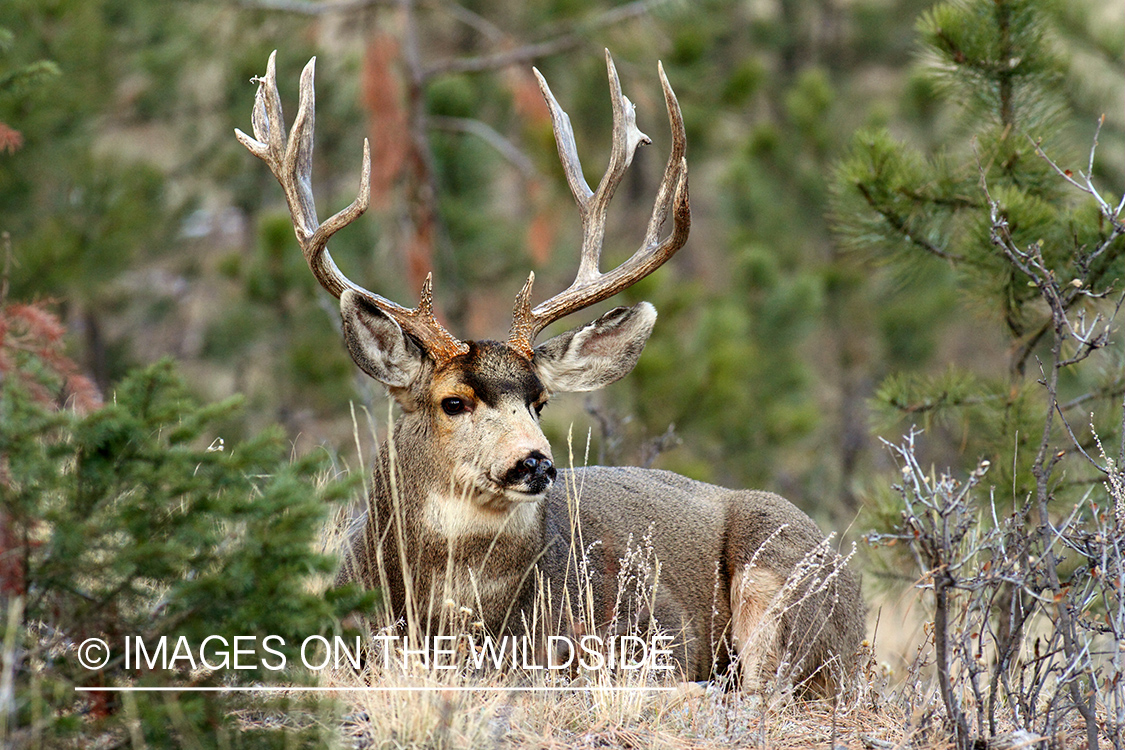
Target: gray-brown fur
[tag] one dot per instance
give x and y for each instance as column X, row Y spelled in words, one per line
column 698, row 532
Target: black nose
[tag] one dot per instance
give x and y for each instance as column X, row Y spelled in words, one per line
column 536, row 470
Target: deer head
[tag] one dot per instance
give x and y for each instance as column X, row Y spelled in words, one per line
column 471, row 409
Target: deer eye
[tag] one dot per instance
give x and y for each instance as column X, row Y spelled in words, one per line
column 454, row 406
column 539, row 407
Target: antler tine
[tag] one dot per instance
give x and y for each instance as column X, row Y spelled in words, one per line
column 590, row 285
column 677, row 165
column 564, row 139
column 290, row 160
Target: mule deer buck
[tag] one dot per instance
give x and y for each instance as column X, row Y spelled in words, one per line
column 468, row 508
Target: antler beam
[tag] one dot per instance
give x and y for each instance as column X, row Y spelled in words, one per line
column 590, row 284
column 290, row 160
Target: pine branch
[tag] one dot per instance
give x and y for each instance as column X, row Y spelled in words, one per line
column 28, row 76
column 957, row 203
column 1113, row 391
column 898, row 223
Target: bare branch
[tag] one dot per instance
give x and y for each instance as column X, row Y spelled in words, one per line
column 474, row 20
column 305, row 8
column 489, row 135
column 527, row 53
column 1077, row 443
column 1087, row 184
column 517, row 56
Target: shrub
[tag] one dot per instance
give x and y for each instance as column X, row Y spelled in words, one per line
column 135, row 519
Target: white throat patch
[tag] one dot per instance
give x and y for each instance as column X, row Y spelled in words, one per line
column 456, row 514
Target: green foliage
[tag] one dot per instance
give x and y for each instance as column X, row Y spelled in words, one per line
column 891, row 199
column 807, row 105
column 15, row 81
column 998, row 66
column 138, row 520
column 94, row 227
column 731, row 378
column 30, row 76
column 1032, row 261
column 997, row 59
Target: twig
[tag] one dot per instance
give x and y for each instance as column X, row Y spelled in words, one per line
column 304, row 8
column 535, row 50
column 1031, row 263
column 489, row 135
column 6, row 240
column 497, row 60
column 475, row 21
column 1087, row 184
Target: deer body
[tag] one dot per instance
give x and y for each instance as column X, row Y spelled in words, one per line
column 578, row 535
column 468, row 512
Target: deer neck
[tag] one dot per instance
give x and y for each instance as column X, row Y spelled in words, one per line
column 443, row 544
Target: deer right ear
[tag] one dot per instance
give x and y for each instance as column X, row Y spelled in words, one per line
column 377, row 343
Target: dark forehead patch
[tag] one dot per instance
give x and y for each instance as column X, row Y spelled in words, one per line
column 494, row 370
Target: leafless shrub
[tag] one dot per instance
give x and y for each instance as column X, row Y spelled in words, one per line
column 1028, row 633
column 1002, row 657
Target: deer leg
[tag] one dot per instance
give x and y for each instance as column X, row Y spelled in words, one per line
column 755, row 624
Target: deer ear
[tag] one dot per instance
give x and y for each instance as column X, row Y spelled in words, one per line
column 377, row 344
column 598, row 353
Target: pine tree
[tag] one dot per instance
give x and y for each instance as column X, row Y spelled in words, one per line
column 1002, row 68
column 135, row 519
column 1033, row 250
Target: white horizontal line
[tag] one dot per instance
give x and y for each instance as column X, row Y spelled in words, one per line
column 463, row 689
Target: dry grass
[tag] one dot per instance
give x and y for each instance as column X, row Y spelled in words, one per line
column 689, row 716
column 893, row 703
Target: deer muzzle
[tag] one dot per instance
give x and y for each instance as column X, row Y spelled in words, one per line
column 533, row 474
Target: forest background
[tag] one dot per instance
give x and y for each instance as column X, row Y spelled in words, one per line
column 129, row 202
column 793, row 331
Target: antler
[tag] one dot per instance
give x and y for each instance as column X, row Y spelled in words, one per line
column 291, row 163
column 590, row 285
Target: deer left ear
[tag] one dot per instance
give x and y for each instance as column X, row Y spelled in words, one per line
column 596, row 354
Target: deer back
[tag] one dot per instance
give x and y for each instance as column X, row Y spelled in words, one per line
column 642, row 548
